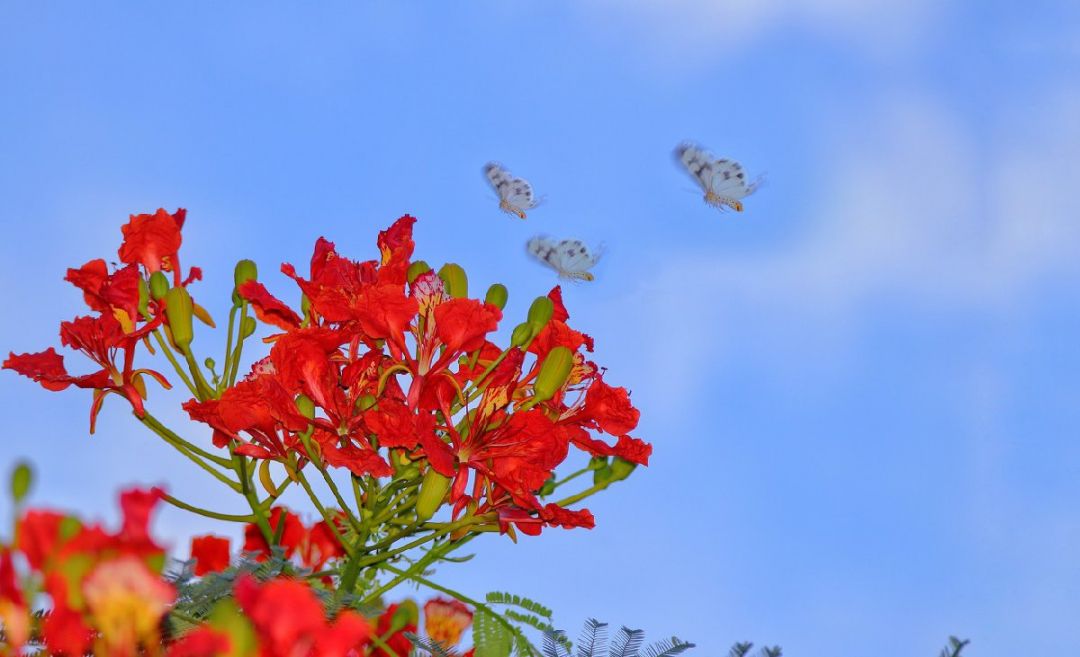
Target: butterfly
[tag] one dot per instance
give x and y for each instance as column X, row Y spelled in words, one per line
column 723, row 181
column 515, row 194
column 571, row 258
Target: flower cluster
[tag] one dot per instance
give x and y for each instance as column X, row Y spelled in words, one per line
column 385, row 397
column 106, row 596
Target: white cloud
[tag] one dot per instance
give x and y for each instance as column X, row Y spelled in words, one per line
column 688, row 28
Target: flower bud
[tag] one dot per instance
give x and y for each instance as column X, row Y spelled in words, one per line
column 245, row 271
column 540, row 313
column 523, row 332
column 365, row 402
column 416, row 268
column 432, row 492
column 21, row 480
column 406, row 614
column 497, row 295
column 209, row 363
column 621, row 468
column 144, row 298
column 179, row 310
column 553, row 373
column 159, row 285
column 247, row 327
column 548, row 488
column 457, row 283
column 306, row 406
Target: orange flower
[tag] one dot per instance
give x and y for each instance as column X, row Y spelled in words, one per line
column 445, row 619
column 126, row 602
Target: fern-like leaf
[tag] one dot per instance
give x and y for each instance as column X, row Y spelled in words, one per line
column 955, row 647
column 430, row 646
column 554, row 644
column 740, row 649
column 593, row 640
column 668, row 647
column 500, row 598
column 774, row 651
column 627, row 643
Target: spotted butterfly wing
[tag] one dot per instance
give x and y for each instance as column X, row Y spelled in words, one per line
column 515, row 194
column 571, row 258
column 724, row 181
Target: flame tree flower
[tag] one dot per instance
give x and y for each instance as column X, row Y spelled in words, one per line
column 383, row 396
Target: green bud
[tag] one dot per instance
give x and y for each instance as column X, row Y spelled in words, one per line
column 457, row 283
column 432, row 493
column 497, row 295
column 365, row 402
column 245, row 271
column 553, row 373
column 21, row 480
column 144, row 298
column 601, row 476
column 69, row 526
column 548, row 488
column 621, row 468
column 416, row 268
column 227, row 618
column 306, row 406
column 179, row 310
column 407, row 613
column 247, row 327
column 209, row 363
column 159, row 285
column 540, row 312
column 523, row 332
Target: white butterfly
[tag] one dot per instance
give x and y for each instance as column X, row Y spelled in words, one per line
column 515, row 194
column 571, row 258
column 723, row 181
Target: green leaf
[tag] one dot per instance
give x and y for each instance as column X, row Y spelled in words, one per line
column 490, row 637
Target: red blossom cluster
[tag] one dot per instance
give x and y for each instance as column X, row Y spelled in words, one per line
column 386, row 364
column 468, row 407
column 124, row 313
column 105, row 588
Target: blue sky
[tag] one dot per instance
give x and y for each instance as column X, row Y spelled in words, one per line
column 862, row 391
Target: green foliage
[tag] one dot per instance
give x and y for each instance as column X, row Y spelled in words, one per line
column 22, row 478
column 955, row 647
column 743, row 649
column 627, row 643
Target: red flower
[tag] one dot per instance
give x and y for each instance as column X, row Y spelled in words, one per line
column 65, row 632
column 99, row 338
column 557, row 516
column 396, row 625
column 137, row 505
column 319, row 546
column 610, row 408
column 286, row 614
column 153, row 240
column 258, row 406
column 267, row 307
column 463, row 323
column 291, row 535
column 396, row 247
column 201, row 642
column 105, row 292
column 38, row 536
column 633, row 450
column 211, row 554
column 347, row 637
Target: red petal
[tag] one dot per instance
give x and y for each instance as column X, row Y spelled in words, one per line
column 267, row 307
column 211, row 554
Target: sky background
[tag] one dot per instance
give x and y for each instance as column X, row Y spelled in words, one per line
column 862, row 391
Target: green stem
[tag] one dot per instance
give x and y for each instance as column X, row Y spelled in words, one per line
column 185, row 448
column 176, row 365
column 228, row 349
column 454, row 526
column 206, row 392
column 577, row 497
column 228, row 517
column 170, row 436
column 322, row 511
column 235, row 365
column 416, row 569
